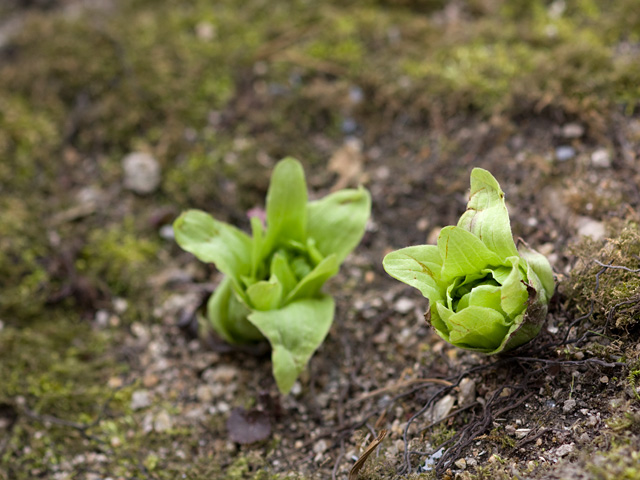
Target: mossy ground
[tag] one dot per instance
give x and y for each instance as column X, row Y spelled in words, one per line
column 217, row 92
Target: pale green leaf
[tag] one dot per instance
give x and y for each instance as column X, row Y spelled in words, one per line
column 265, row 295
column 311, row 284
column 286, row 205
column 487, row 296
column 541, row 266
column 418, row 266
column 228, row 315
column 215, row 242
column 280, row 268
column 295, row 332
column 514, row 291
column 486, row 215
column 463, row 253
column 337, row 221
column 477, row 328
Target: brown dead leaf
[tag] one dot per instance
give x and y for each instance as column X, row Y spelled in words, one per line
column 353, row 474
column 348, row 163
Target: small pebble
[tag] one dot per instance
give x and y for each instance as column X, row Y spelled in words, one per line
column 166, row 232
column 467, row 393
column 604, row 379
column 404, row 305
column 204, row 394
column 564, row 450
column 140, row 399
column 442, row 408
column 223, row 374
column 141, row 173
column 601, row 158
column 162, row 422
column 564, row 153
column 572, row 130
column 461, row 463
column 569, row 405
column 588, row 227
column 320, row 446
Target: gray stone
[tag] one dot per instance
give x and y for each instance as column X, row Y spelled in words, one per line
column 140, row 399
column 564, row 450
column 569, row 406
column 564, row 153
column 588, row 227
column 467, row 393
column 572, row 130
column 601, row 158
column 141, row 173
column 162, row 422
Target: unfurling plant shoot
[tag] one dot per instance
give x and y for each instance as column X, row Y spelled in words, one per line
column 485, row 294
column 272, row 285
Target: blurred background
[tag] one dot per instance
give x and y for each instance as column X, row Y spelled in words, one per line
column 117, row 115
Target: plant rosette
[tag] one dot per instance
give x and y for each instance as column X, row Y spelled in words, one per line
column 485, row 294
column 272, row 284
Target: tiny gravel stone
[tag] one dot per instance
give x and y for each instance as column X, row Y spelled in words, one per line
column 162, row 422
column 461, row 463
column 604, row 379
column 572, row 130
column 140, row 399
column 296, row 389
column 564, row 153
column 569, row 405
column 222, row 374
column 141, row 173
column 320, row 446
column 442, row 408
column 204, row 394
column 522, row 432
column 601, row 158
column 404, row 305
column 166, row 232
column 564, row 450
column 102, row 318
column 588, row 227
column 467, row 394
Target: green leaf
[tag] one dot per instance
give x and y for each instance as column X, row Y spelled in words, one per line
column 477, row 328
column 265, row 295
column 418, row 266
column 286, row 205
column 215, row 242
column 487, row 216
column 463, row 253
column 281, row 269
column 228, row 315
column 541, row 266
column 487, row 296
column 514, row 291
column 337, row 221
column 310, row 285
column 257, row 240
column 295, row 332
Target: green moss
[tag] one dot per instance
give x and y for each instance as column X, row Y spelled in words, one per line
column 119, row 256
column 617, row 295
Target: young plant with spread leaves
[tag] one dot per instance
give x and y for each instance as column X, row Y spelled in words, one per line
column 485, row 294
column 272, row 285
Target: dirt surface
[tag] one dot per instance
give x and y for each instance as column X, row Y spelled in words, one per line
column 102, row 372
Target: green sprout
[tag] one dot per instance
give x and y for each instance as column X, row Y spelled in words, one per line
column 272, row 285
column 485, row 294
